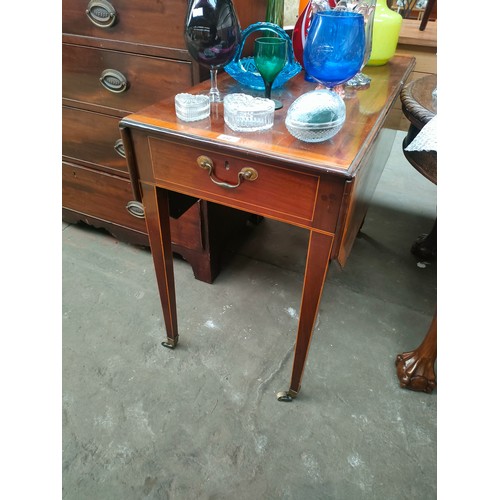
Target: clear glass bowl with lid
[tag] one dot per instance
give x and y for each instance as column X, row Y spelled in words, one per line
column 316, row 116
column 245, row 113
column 191, row 108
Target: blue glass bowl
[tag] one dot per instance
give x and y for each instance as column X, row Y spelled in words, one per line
column 244, row 71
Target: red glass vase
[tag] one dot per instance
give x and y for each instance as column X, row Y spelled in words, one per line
column 301, row 28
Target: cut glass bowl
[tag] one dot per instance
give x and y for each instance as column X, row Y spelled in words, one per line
column 190, row 107
column 316, row 116
column 244, row 113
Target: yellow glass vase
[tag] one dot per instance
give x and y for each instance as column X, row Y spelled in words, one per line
column 386, row 28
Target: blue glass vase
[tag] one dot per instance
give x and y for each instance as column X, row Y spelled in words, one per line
column 335, row 47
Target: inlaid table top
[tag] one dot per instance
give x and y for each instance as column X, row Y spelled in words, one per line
column 365, row 115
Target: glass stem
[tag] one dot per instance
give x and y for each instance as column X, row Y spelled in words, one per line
column 214, row 93
column 267, row 92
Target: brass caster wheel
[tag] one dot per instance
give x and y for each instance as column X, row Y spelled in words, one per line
column 284, row 396
column 170, row 343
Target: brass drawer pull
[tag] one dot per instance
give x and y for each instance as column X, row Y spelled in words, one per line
column 119, row 148
column 101, row 13
column 246, row 173
column 113, row 81
column 136, row 209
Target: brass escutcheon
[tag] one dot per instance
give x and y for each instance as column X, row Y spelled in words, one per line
column 114, row 81
column 101, row 13
column 135, row 208
column 119, row 148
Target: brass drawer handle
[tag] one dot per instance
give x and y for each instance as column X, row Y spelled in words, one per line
column 119, row 148
column 114, row 81
column 101, row 13
column 246, row 173
column 136, row 209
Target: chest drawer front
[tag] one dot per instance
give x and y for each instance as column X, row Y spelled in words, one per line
column 144, row 22
column 93, row 139
column 146, row 80
column 105, row 197
column 99, row 195
column 177, row 166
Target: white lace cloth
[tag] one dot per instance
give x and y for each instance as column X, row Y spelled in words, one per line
column 426, row 139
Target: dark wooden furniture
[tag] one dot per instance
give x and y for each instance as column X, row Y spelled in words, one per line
column 419, row 106
column 415, row 369
column 409, row 10
column 430, row 8
column 422, row 45
column 324, row 187
column 119, row 56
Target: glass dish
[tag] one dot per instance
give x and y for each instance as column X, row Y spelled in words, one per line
column 190, row 107
column 316, row 116
column 244, row 113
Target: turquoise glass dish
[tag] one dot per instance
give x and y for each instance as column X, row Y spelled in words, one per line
column 244, row 71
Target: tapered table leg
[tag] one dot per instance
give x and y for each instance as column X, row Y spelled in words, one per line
column 318, row 258
column 156, row 210
column 415, row 369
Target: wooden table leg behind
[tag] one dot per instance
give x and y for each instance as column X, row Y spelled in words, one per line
column 427, row 14
column 156, row 210
column 425, row 246
column 415, row 369
column 318, row 258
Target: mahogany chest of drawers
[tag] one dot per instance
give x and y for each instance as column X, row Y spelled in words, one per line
column 119, row 56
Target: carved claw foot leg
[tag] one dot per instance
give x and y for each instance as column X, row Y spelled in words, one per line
column 415, row 369
column 286, row 396
column 170, row 343
column 415, row 373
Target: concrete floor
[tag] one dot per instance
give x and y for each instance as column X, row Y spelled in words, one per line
column 202, row 421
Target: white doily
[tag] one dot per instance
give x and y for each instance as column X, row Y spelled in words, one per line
column 426, row 139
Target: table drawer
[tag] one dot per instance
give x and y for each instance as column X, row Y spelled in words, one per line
column 93, row 139
column 150, row 22
column 176, row 166
column 131, row 82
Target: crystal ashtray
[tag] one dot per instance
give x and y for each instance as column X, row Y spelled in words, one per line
column 244, row 113
column 316, row 116
column 190, row 107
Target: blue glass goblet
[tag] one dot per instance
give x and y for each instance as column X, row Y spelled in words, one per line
column 335, row 47
column 333, row 54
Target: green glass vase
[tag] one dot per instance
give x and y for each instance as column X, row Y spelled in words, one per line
column 274, row 12
column 386, row 28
